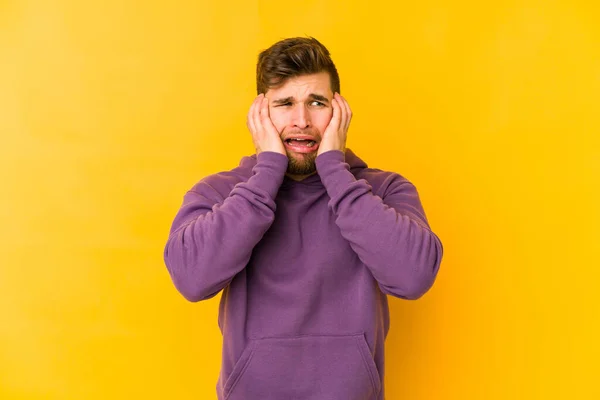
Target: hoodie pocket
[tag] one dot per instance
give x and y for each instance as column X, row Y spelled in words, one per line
column 305, row 367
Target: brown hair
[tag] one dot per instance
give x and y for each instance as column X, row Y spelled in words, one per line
column 293, row 57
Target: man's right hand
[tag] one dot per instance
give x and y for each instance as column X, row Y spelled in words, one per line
column 264, row 133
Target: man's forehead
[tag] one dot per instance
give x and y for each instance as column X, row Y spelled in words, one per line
column 302, row 94
column 304, row 85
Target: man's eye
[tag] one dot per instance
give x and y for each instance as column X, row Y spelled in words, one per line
column 318, row 103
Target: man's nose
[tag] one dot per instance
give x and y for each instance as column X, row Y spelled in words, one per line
column 301, row 117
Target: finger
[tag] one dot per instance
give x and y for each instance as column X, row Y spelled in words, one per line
column 250, row 119
column 254, row 108
column 336, row 118
column 256, row 116
column 343, row 114
column 348, row 112
column 265, row 118
column 343, row 111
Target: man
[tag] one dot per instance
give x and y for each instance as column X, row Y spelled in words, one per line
column 304, row 240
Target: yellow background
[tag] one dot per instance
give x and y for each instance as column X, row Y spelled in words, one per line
column 110, row 111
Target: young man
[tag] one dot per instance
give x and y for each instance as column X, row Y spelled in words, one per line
column 305, row 240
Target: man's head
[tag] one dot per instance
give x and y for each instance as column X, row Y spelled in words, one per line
column 293, row 57
column 299, row 78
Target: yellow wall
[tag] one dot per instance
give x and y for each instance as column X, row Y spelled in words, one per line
column 110, row 112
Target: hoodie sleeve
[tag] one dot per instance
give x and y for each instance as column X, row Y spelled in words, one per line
column 210, row 241
column 390, row 235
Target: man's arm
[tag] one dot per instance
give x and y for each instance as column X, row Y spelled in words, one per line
column 390, row 235
column 210, row 242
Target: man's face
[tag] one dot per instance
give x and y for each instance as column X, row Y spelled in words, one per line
column 301, row 106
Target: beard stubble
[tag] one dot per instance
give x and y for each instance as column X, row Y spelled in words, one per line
column 300, row 163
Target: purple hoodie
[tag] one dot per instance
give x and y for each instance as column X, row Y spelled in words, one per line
column 305, row 267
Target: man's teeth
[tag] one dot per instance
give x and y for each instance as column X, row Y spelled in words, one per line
column 303, row 142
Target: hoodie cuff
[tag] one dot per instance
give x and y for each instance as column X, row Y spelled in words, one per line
column 269, row 171
column 334, row 172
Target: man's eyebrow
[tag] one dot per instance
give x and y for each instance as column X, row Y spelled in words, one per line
column 290, row 99
column 283, row 100
column 318, row 97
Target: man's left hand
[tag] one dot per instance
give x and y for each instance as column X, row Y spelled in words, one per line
column 334, row 137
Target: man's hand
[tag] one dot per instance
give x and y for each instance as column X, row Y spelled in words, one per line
column 264, row 133
column 334, row 137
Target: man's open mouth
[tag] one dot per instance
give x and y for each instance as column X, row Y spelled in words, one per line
column 301, row 145
column 300, row 142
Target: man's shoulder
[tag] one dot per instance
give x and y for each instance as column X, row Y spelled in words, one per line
column 224, row 181
column 381, row 180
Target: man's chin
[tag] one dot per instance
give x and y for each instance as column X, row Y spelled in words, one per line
column 301, row 167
